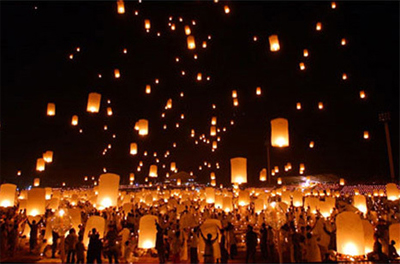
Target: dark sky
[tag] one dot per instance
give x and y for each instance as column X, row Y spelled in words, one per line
column 35, row 70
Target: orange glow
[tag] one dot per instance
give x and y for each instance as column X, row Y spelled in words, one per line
column 274, row 43
column 318, row 26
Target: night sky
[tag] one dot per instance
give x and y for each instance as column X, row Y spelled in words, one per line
column 36, row 69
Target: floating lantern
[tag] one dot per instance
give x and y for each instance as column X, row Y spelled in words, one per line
column 344, row 76
column 214, row 145
column 279, row 132
column 133, row 149
column 362, row 94
column 318, row 27
column 36, row 202
column 227, row 204
column 320, row 105
column 244, row 198
column 213, row 131
column 258, row 205
column 117, row 74
column 40, row 163
column 121, row 7
column 153, row 171
column 297, row 198
column 7, row 194
column 392, row 192
column 279, row 181
column 169, row 104
column 214, row 121
column 173, row 166
column 343, row 42
column 360, row 203
column 143, row 126
column 204, row 45
column 187, row 30
column 74, row 120
column 366, row 135
column 93, row 105
column 305, row 52
column 255, row 38
column 333, row 5
column 274, row 43
column 227, row 9
column 276, row 169
column 349, row 234
column 51, row 109
column 234, row 94
column 258, row 91
column 368, row 236
column 178, row 182
column 311, row 145
column 147, row 24
column 341, row 182
column 199, row 76
column 235, row 102
column 148, row 89
column 108, row 190
column 48, row 156
column 191, row 44
column 212, row 175
column 302, row 66
column 298, row 106
column 239, row 170
column 109, row 111
column 210, row 195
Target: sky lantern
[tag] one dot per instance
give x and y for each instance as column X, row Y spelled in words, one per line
column 276, row 169
column 274, row 43
column 199, row 76
column 258, row 205
column 320, row 105
column 305, row 52
column 360, row 203
column 40, row 163
column 255, row 38
column 191, row 44
column 318, row 27
column 214, row 121
column 169, row 104
column 258, row 91
column 121, row 7
column 213, row 131
column 227, row 9
column 147, row 24
column 311, row 145
column 48, row 156
column 350, row 234
column 343, row 42
column 214, row 145
column 235, row 102
column 297, row 198
column 362, row 94
column 74, row 120
column 97, row 222
column 187, row 30
column 239, row 170
column 173, row 26
column 36, row 182
column 227, row 204
column 212, row 176
column 148, row 89
column 133, row 149
column 36, row 202
column 109, row 111
column 234, row 94
column 344, row 76
column 333, row 5
column 280, row 132
column 108, row 190
column 279, row 181
column 298, row 106
column 51, row 109
column 172, row 166
column 210, row 195
column 153, row 171
column 143, row 127
column 366, row 135
column 392, row 192
column 93, row 104
column 244, row 198
column 7, row 194
column 369, row 231
column 147, row 231
column 302, row 66
column 117, row 74
column 204, row 45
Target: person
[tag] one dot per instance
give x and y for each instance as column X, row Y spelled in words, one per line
column 160, row 244
column 33, row 233
column 270, row 244
column 54, row 245
column 111, row 241
column 263, row 242
column 232, row 247
column 224, row 252
column 377, row 253
column 194, row 241
column 392, row 251
column 209, row 247
column 95, row 247
column 313, row 253
column 70, row 243
column 124, row 234
column 251, row 245
column 80, row 250
column 176, row 247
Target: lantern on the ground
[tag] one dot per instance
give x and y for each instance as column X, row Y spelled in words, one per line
column 147, row 231
column 93, row 104
column 40, row 164
column 239, row 170
column 191, row 44
column 274, row 43
column 7, row 194
column 108, row 190
column 36, row 202
column 280, row 132
column 349, row 234
column 51, row 109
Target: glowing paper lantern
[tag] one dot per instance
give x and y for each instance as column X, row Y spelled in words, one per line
column 360, row 203
column 302, row 66
column 368, row 236
column 305, row 52
column 121, row 7
column 258, row 205
column 109, row 111
column 214, row 121
column 320, row 105
column 143, row 126
column 199, row 76
column 366, row 135
column 153, row 171
column 147, row 24
column 36, row 202
column 191, row 44
column 235, row 102
column 74, row 120
column 227, row 204
column 279, row 132
column 311, row 145
column 147, row 231
column 344, row 76
column 279, row 181
column 187, row 30
column 97, row 222
column 263, row 175
column 48, row 192
column 234, row 94
column 350, row 234
column 318, row 27
column 51, row 109
column 333, row 5
column 93, row 104
column 173, row 166
column 227, row 9
column 343, row 42
column 48, row 156
column 108, row 190
column 297, row 198
column 7, row 194
column 392, row 192
column 213, row 131
column 148, row 89
column 133, row 149
column 40, row 163
column 394, row 234
column 210, row 195
column 258, row 91
column 362, row 94
column 274, row 43
column 239, row 170
column 298, row 106
column 244, row 198
column 117, row 74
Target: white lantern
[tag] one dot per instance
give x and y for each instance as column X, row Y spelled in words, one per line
column 210, row 195
column 108, row 190
column 7, row 194
column 279, row 132
column 350, row 234
column 392, row 192
column 93, row 104
column 133, row 149
column 239, row 170
column 153, row 171
column 97, row 222
column 51, row 109
column 147, row 231
column 244, row 198
column 36, row 202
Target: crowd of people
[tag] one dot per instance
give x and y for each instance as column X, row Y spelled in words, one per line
column 304, row 236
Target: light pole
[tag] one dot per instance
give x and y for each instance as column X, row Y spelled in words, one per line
column 385, row 118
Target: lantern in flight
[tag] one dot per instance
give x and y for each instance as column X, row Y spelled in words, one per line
column 148, row 89
column 93, row 104
column 258, row 91
column 48, row 156
column 320, row 105
column 199, row 76
column 36, row 182
column 298, row 106
column 51, row 109
column 302, row 66
column 143, row 126
column 244, row 198
column 279, row 132
column 36, row 202
column 109, row 111
column 153, row 171
column 318, row 27
column 274, row 43
column 108, row 190
column 117, row 74
column 366, row 135
column 263, row 175
column 343, row 42
column 133, row 149
column 362, row 94
column 191, row 44
column 333, row 5
column 40, row 163
column 239, row 170
column 227, row 9
column 392, row 192
column 213, row 131
column 305, row 52
column 7, row 194
column 74, row 120
column 187, row 30
column 121, row 7
column 360, row 203
column 172, row 166
column 147, row 24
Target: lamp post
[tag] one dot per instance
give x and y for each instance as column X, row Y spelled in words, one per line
column 385, row 118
